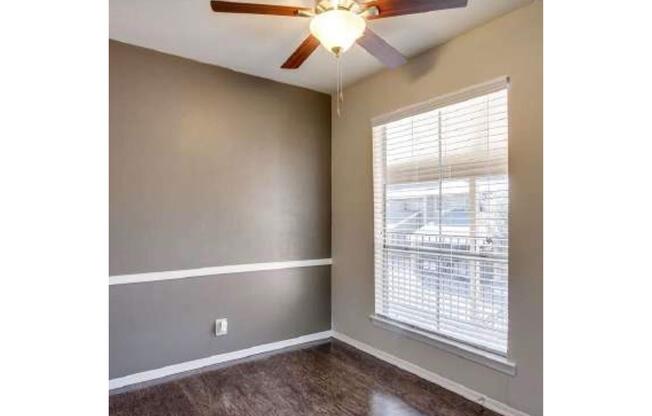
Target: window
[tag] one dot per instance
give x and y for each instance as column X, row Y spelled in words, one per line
column 440, row 217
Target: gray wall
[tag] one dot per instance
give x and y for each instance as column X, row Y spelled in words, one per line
column 160, row 323
column 510, row 45
column 210, row 167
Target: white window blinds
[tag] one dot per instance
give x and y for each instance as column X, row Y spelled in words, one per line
column 440, row 216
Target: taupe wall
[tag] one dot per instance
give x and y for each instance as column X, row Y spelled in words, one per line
column 210, row 167
column 160, row 323
column 510, row 45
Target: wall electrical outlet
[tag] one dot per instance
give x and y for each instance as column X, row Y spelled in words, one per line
column 221, row 327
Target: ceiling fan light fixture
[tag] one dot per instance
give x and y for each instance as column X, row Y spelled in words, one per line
column 337, row 29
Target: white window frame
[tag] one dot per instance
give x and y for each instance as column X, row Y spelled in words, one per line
column 497, row 361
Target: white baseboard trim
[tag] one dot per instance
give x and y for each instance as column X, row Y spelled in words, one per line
column 209, row 271
column 463, row 391
column 215, row 359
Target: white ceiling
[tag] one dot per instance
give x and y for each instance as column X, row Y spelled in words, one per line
column 258, row 45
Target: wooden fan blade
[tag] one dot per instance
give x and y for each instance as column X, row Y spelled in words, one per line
column 389, row 8
column 302, row 53
column 382, row 50
column 252, row 8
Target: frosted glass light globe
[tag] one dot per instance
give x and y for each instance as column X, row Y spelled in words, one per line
column 337, row 30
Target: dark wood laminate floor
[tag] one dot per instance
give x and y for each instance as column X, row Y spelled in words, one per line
column 328, row 379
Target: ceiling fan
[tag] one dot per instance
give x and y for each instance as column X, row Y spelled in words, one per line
column 338, row 24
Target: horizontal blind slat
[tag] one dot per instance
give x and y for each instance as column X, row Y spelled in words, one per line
column 440, row 217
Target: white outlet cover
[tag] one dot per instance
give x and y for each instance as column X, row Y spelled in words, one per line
column 221, row 326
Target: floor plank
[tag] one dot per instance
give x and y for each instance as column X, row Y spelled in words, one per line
column 328, row 379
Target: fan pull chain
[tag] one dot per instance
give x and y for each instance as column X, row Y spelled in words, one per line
column 340, row 87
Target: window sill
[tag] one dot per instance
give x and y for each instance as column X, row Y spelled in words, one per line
column 477, row 355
